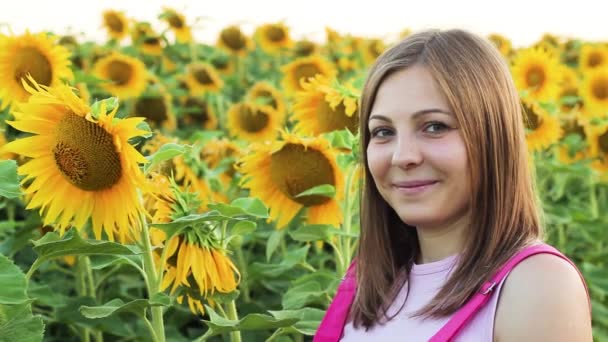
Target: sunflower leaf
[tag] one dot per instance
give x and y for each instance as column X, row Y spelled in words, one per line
column 116, row 306
column 165, row 152
column 191, row 220
column 313, row 232
column 241, row 207
column 9, row 180
column 12, row 282
column 243, row 227
column 18, row 324
column 304, row 294
column 220, row 325
column 309, row 320
column 110, row 103
column 326, row 190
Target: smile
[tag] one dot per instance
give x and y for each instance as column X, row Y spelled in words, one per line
column 413, row 188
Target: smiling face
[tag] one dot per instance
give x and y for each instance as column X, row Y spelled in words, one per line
column 416, row 154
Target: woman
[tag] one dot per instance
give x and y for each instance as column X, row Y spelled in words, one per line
column 451, row 240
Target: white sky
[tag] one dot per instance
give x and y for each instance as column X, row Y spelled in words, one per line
column 523, row 21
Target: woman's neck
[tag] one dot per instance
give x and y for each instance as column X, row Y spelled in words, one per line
column 439, row 242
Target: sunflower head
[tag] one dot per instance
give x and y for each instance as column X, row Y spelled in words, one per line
column 279, row 172
column 325, row 106
column 273, row 37
column 253, row 122
column 81, row 162
column 177, row 23
column 372, row 49
column 573, row 126
column 305, row 48
column 30, row 54
column 542, row 128
column 126, row 75
column 301, row 69
column 598, row 148
column 264, row 93
column 537, row 71
column 594, row 91
column 223, row 64
column 202, row 78
column 233, row 40
column 197, row 112
column 116, row 24
column 593, row 56
column 156, row 107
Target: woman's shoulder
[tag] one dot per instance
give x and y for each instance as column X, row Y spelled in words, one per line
column 543, row 298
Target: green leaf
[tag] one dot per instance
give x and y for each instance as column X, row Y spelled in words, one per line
column 191, row 220
column 220, row 325
column 165, row 152
column 301, row 295
column 308, row 319
column 273, row 242
column 292, row 258
column 69, row 313
column 99, row 262
column 243, row 227
column 9, row 180
column 18, row 324
column 52, row 246
column 111, row 103
column 245, row 206
column 12, row 283
column 116, row 306
column 313, row 232
column 326, row 190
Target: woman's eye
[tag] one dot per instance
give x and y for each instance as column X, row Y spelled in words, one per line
column 380, row 132
column 435, row 127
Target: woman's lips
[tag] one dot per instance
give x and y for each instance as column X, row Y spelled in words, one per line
column 414, row 187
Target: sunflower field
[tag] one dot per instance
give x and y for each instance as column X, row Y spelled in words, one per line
column 157, row 188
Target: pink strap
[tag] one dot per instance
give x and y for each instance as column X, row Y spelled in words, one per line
column 468, row 311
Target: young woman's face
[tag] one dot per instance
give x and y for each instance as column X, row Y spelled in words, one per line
column 416, row 154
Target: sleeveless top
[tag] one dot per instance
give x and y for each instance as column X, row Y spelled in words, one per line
column 425, row 281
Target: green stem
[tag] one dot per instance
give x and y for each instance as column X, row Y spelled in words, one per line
column 90, row 290
column 151, row 328
column 593, row 200
column 298, row 337
column 235, row 336
column 81, row 287
column 346, row 254
column 243, row 267
column 152, row 280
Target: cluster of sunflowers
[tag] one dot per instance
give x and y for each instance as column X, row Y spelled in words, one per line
column 255, row 110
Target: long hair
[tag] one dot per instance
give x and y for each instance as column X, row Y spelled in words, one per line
column 476, row 81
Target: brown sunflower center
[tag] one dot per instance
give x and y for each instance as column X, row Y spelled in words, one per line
column 152, row 108
column 251, row 119
column 275, row 33
column 531, row 118
column 175, row 21
column 335, row 119
column 155, row 41
column 535, row 76
column 114, row 22
column 202, row 76
column 295, row 169
column 603, row 143
column 594, row 60
column 267, row 98
column 85, row 154
column 233, row 38
column 304, row 48
column 306, row 71
column 197, row 110
column 573, row 127
column 599, row 88
column 31, row 61
column 120, row 72
column 67, row 41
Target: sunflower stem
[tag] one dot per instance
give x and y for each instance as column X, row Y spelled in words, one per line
column 235, row 336
column 243, row 266
column 152, row 279
column 81, row 287
column 346, row 255
column 593, row 199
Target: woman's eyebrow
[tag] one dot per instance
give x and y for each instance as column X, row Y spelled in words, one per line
column 414, row 115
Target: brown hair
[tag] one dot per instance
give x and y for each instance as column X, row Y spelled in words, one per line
column 477, row 84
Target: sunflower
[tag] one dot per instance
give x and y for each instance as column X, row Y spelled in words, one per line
column 156, row 108
column 325, row 106
column 273, row 37
column 33, row 54
column 303, row 68
column 198, row 113
column 278, row 172
column 81, row 166
column 218, row 150
column 372, row 49
column 264, row 93
column 253, row 122
column 592, row 56
column 305, row 48
column 177, row 23
column 223, row 64
column 594, row 91
column 233, row 40
column 542, row 129
column 573, row 126
column 538, row 72
column 598, row 148
column 127, row 76
column 202, row 77
column 116, row 24
column 502, row 43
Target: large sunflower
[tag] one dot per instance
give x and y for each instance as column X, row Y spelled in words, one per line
column 202, row 77
column 594, row 91
column 81, row 166
column 537, row 71
column 303, row 68
column 177, row 23
column 156, row 108
column 324, row 106
column 542, row 129
column 278, row 172
column 127, row 76
column 593, row 56
column 198, row 113
column 253, row 122
column 273, row 37
column 264, row 93
column 116, row 24
column 34, row 54
column 233, row 40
